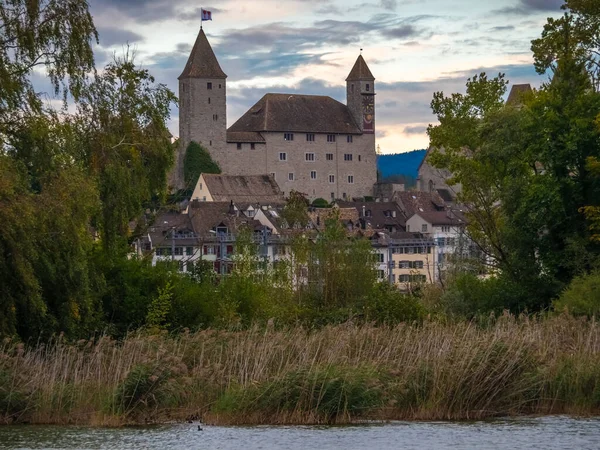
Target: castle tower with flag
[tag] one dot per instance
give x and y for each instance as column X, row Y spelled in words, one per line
column 309, row 143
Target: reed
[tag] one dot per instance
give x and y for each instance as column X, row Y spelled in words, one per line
column 336, row 374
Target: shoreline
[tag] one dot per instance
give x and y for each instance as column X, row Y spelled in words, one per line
column 344, row 374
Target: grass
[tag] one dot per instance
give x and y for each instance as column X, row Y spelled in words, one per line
column 336, row 374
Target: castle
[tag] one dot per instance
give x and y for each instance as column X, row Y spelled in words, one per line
column 308, row 143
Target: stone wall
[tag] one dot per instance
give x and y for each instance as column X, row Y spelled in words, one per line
column 202, row 118
column 264, row 159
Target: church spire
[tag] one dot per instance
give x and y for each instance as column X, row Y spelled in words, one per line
column 360, row 71
column 202, row 62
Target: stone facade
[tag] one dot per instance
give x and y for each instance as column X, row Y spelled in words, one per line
column 351, row 164
column 332, row 152
column 203, row 115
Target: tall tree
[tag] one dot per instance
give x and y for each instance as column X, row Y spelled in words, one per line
column 121, row 127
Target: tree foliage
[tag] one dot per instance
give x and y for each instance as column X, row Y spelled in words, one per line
column 525, row 168
column 197, row 160
column 55, row 35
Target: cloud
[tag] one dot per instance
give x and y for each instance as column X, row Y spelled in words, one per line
column 503, row 28
column 110, row 36
column 416, row 129
column 142, row 11
column 528, row 7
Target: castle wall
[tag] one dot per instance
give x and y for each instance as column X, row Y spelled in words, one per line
column 265, row 159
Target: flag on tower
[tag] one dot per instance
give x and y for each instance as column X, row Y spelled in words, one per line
column 206, row 15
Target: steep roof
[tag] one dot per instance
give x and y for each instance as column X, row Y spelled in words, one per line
column 378, row 215
column 413, row 202
column 261, row 189
column 449, row 217
column 360, row 71
column 517, row 92
column 160, row 230
column 299, row 113
column 205, row 216
column 202, row 62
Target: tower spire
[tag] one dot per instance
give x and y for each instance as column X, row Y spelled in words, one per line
column 202, row 62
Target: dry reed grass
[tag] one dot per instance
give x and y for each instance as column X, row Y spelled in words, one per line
column 335, row 374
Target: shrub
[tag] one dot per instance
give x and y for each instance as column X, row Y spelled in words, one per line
column 582, row 296
column 320, row 203
column 141, row 389
column 326, row 394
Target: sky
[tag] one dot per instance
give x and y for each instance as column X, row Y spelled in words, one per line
column 413, row 48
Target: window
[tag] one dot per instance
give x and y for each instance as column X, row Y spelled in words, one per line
column 380, row 274
column 352, row 87
column 393, row 278
column 344, row 195
column 359, row 158
column 351, row 179
column 283, row 156
column 424, row 228
column 404, row 265
column 329, row 156
column 332, row 179
column 331, row 138
column 393, row 264
column 404, row 278
column 209, row 85
column 446, row 229
column 348, row 157
column 239, row 145
column 189, row 251
column 209, row 142
column 367, row 87
column 349, row 139
column 332, row 195
column 310, row 137
column 288, row 136
column 380, row 257
column 291, row 176
column 204, row 198
column 178, row 251
column 209, row 100
column 309, row 156
column 450, row 241
column 215, row 117
column 252, row 146
column 313, row 174
column 219, row 86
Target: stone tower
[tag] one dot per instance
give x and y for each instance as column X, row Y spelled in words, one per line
column 360, row 96
column 202, row 105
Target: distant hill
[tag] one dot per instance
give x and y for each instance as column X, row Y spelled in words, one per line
column 400, row 164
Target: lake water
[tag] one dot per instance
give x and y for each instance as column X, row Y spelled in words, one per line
column 529, row 433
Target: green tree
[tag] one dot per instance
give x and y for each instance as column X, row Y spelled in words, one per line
column 197, row 160
column 524, row 170
column 121, row 129
column 54, row 35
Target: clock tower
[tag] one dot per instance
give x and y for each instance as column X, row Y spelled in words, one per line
column 360, row 96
